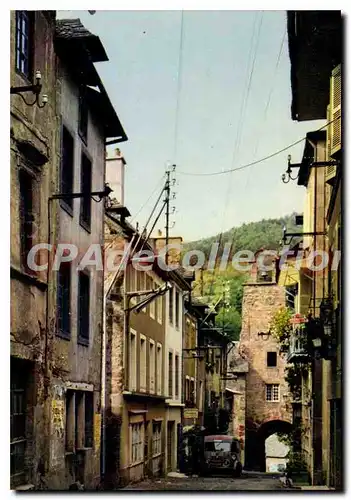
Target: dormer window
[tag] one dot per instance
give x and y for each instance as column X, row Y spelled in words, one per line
column 263, row 275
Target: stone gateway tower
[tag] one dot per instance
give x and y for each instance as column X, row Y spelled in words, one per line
column 266, row 389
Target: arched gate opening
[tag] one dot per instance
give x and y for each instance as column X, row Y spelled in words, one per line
column 255, row 453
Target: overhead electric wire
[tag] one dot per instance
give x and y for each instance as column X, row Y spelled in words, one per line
column 149, row 218
column 267, row 104
column 153, row 226
column 247, row 165
column 241, row 121
column 147, row 201
column 179, row 81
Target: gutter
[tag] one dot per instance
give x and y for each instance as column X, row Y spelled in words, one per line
column 103, row 371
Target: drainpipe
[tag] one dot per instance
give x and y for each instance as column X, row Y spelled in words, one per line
column 103, row 371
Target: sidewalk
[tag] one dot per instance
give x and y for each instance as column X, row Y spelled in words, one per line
column 315, row 488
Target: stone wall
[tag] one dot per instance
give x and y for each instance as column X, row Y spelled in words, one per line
column 260, row 301
column 259, row 304
column 33, row 150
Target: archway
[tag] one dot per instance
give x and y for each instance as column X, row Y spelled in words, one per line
column 255, row 453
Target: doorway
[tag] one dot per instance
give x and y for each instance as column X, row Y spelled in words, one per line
column 170, row 445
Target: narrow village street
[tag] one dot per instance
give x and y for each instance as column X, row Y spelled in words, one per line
column 176, row 247
column 248, row 481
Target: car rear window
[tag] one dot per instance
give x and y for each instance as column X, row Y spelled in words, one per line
column 218, row 446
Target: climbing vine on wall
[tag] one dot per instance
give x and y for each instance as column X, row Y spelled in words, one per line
column 281, row 328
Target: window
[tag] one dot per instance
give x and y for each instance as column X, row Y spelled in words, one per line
column 132, row 362
column 213, row 399
column 152, row 367
column 177, row 309
column 291, row 292
column 187, row 389
column 177, row 377
column 218, row 446
column 83, row 114
column 89, row 419
column 138, row 284
column 217, row 365
column 171, row 305
column 83, row 307
column 156, row 438
column 170, row 375
column 25, row 42
column 79, row 420
column 64, row 301
column 159, row 368
column 70, row 421
column 67, row 167
column 85, row 203
column 153, row 302
column 142, row 373
column 200, row 405
column 264, row 275
column 192, row 391
column 271, row 359
column 272, row 392
column 26, row 216
column 137, row 443
column 159, row 309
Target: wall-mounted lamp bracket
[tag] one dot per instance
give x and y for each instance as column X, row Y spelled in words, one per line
column 287, row 177
column 35, row 89
column 70, row 196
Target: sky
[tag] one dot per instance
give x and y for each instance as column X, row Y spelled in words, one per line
column 207, row 91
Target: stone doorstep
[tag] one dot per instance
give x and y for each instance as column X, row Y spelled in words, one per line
column 25, row 487
column 316, row 488
column 177, row 475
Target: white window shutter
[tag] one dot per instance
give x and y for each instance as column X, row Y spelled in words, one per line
column 335, row 110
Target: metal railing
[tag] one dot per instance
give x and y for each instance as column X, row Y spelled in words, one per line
column 297, row 345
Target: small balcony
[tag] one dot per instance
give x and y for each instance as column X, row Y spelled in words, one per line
column 297, row 352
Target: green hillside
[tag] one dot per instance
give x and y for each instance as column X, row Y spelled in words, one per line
column 252, row 236
column 224, row 288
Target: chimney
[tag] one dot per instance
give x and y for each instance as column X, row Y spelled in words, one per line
column 174, row 255
column 115, row 166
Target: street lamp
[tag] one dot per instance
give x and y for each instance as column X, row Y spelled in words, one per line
column 317, row 342
column 287, row 177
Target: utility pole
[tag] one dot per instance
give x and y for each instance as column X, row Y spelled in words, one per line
column 167, row 201
column 168, row 192
column 202, row 281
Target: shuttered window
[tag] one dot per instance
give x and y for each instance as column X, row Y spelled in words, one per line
column 67, row 167
column 83, row 308
column 85, row 203
column 64, row 301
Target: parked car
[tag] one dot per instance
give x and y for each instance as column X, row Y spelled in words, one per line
column 222, row 455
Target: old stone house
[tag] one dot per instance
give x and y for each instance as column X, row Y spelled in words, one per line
column 33, row 176
column 193, row 382
column 315, row 50
column 237, row 369
column 142, row 401
column 266, row 388
column 86, row 119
